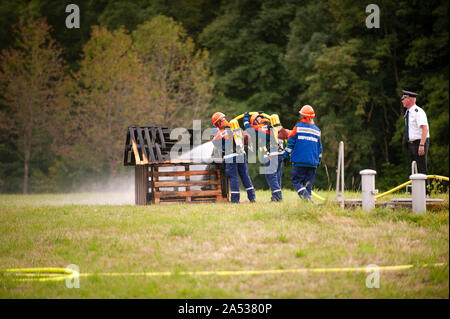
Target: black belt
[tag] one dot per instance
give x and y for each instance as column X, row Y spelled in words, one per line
column 414, row 141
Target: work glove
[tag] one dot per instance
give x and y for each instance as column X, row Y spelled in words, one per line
column 286, row 158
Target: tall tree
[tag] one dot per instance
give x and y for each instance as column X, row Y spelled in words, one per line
column 71, row 39
column 312, row 30
column 409, row 50
column 30, row 73
column 353, row 75
column 427, row 69
column 109, row 98
column 177, row 76
column 194, row 15
column 247, row 42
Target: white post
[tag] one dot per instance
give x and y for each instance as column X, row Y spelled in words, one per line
column 340, row 175
column 413, row 168
column 419, row 204
column 368, row 188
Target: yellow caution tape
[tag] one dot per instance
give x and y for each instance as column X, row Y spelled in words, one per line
column 67, row 273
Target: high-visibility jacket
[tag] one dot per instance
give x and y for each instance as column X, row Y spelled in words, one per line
column 264, row 128
column 305, row 145
column 224, row 138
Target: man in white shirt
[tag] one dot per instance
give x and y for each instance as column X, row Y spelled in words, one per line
column 417, row 132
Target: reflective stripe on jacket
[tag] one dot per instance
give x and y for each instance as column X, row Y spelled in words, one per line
column 305, row 145
column 223, row 136
column 263, row 128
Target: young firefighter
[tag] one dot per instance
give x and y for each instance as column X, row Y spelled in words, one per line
column 234, row 158
column 274, row 160
column 305, row 148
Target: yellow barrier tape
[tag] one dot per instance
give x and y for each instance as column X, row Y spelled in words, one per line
column 71, row 273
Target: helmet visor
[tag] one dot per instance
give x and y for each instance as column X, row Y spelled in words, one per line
column 219, row 123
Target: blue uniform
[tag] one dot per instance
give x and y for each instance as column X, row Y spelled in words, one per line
column 273, row 160
column 305, row 148
column 235, row 165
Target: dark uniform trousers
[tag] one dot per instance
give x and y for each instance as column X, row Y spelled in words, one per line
column 413, row 148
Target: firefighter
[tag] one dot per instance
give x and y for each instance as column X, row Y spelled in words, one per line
column 273, row 152
column 234, row 158
column 304, row 147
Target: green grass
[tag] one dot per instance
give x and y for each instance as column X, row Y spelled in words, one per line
column 54, row 231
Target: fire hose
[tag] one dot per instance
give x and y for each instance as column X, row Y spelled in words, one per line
column 237, row 118
column 444, row 178
column 60, row 274
column 438, row 177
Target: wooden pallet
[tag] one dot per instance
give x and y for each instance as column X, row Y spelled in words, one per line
column 163, row 192
column 161, row 186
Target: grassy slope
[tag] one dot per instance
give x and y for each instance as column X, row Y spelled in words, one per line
column 38, row 231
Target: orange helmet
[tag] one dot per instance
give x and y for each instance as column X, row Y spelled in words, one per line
column 253, row 118
column 307, row 111
column 217, row 117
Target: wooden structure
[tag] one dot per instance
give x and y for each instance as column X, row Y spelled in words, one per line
column 158, row 179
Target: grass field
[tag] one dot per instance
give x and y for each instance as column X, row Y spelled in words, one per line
column 58, row 230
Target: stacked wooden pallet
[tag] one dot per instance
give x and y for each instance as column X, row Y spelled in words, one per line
column 193, row 183
column 160, row 179
column 147, row 144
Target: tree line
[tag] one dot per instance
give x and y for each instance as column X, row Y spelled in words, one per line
column 75, row 121
column 154, row 62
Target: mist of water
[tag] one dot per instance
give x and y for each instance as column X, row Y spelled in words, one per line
column 104, row 191
column 201, row 153
column 120, row 190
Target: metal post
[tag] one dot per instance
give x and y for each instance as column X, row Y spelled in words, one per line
column 368, row 189
column 340, row 175
column 414, row 168
column 419, row 204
